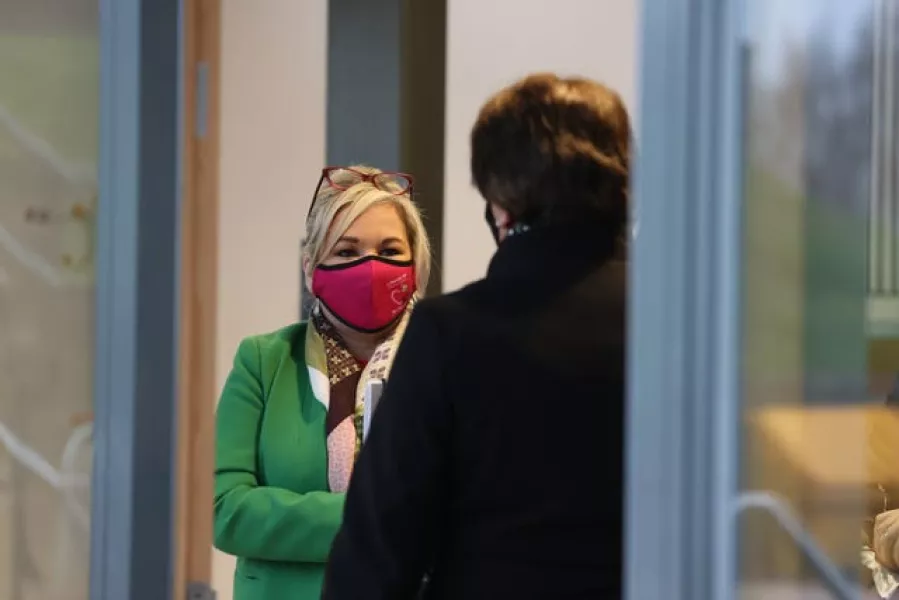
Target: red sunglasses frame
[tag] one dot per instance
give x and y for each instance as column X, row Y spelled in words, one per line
column 370, row 177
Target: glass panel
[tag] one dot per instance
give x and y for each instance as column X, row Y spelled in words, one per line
column 49, row 65
column 813, row 385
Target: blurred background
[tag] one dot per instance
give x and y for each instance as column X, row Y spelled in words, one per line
column 180, row 143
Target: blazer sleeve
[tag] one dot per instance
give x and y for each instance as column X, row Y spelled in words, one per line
column 397, row 493
column 253, row 520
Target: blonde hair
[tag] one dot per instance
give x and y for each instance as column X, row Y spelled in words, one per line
column 328, row 221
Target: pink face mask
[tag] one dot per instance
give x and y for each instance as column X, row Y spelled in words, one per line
column 367, row 294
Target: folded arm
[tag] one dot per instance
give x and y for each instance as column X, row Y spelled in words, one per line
column 881, row 551
column 252, row 520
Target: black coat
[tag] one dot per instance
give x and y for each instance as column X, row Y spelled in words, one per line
column 495, row 460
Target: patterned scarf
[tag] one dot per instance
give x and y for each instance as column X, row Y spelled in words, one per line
column 338, row 382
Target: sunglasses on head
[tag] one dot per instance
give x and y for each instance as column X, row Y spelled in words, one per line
column 343, row 178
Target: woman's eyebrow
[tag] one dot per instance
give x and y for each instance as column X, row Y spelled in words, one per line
column 392, row 240
column 349, row 240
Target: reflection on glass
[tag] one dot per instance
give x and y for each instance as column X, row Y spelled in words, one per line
column 49, row 84
column 819, row 259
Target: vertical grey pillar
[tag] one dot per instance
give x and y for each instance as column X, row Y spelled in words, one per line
column 364, row 82
column 137, row 298
column 684, row 354
column 422, row 115
column 386, row 98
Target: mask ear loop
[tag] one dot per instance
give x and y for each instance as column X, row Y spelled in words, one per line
column 316, row 308
column 314, row 305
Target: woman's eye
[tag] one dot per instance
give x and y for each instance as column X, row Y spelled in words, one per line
column 345, row 253
column 391, row 252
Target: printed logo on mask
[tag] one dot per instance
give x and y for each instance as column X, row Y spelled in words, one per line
column 399, row 292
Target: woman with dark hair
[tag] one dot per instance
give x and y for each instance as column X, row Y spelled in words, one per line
column 494, row 462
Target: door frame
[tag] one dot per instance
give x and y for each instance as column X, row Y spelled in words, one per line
column 197, row 386
column 137, row 265
column 683, row 353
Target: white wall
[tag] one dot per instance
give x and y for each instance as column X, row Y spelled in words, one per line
column 272, row 150
column 490, row 45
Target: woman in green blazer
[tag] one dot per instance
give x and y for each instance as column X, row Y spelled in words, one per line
column 288, row 425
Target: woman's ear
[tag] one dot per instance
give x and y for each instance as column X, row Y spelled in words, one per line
column 502, row 221
column 501, row 216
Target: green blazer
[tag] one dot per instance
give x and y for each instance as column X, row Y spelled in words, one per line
column 273, row 509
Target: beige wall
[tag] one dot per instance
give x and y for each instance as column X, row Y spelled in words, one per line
column 272, row 148
column 491, row 44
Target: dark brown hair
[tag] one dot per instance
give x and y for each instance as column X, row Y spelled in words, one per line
column 552, row 150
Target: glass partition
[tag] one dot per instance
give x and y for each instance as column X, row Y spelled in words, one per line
column 49, row 85
column 763, row 429
column 818, row 86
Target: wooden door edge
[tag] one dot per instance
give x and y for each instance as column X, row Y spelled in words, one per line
column 197, row 387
